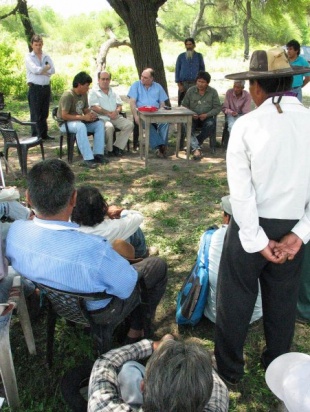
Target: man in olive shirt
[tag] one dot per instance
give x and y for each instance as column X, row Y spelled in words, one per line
column 204, row 101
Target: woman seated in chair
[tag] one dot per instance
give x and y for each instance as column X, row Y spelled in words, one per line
column 95, row 216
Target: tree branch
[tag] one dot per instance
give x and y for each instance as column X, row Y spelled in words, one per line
column 11, row 13
column 171, row 31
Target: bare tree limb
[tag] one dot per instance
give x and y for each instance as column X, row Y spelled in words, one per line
column 101, row 59
column 171, row 31
column 11, row 13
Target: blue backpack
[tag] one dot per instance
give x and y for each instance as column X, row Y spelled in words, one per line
column 193, row 294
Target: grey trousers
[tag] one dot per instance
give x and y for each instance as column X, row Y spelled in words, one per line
column 237, row 292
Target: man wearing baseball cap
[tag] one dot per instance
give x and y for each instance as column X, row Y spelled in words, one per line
column 268, row 173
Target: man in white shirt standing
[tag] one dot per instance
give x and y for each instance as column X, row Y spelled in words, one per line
column 40, row 68
column 268, row 173
column 108, row 105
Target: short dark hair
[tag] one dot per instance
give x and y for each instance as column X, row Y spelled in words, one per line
column 274, row 84
column 295, row 44
column 81, row 78
column 36, row 38
column 190, row 39
column 51, row 184
column 90, row 207
column 204, row 75
column 178, row 378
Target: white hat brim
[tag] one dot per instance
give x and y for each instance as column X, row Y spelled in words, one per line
column 279, row 368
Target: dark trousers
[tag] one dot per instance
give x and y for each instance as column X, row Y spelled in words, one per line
column 186, row 85
column 39, row 101
column 208, row 129
column 237, row 292
column 303, row 304
column 142, row 303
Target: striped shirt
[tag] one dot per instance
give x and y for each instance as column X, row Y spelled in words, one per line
column 69, row 260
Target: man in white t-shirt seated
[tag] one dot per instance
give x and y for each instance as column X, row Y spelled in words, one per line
column 215, row 252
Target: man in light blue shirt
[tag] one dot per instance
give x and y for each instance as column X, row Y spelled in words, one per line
column 49, row 250
column 146, row 92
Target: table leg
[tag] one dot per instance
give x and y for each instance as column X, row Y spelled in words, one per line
column 177, row 149
column 141, row 138
column 188, row 136
column 147, row 140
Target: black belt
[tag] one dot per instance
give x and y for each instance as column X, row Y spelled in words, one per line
column 37, row 85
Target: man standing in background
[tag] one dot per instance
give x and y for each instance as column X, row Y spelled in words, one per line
column 39, row 67
column 299, row 80
column 187, row 67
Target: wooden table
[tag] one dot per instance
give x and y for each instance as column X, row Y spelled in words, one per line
column 176, row 115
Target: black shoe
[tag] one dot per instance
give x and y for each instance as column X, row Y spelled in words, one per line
column 101, row 159
column 117, row 151
column 48, row 138
column 91, row 164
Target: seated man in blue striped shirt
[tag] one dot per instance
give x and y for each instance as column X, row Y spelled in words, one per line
column 50, row 250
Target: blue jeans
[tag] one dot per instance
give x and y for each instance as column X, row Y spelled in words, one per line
column 137, row 240
column 159, row 134
column 231, row 120
column 207, row 130
column 81, row 129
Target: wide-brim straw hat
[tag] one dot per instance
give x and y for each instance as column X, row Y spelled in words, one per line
column 267, row 64
column 126, row 250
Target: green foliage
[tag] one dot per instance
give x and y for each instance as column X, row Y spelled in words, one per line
column 124, row 75
column 59, row 84
column 12, row 76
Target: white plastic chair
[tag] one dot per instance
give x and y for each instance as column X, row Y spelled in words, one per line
column 16, row 300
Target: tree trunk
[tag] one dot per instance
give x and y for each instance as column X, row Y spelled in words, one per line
column 140, row 19
column 245, row 30
column 25, row 19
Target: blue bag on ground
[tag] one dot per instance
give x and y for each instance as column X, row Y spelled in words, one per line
column 193, row 294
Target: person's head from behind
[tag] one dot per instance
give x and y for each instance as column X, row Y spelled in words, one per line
column 51, row 187
column 81, row 82
column 260, row 89
column 238, row 87
column 227, row 210
column 178, row 378
column 90, row 207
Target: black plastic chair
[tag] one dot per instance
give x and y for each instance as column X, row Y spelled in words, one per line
column 225, row 134
column 2, row 101
column 72, row 307
column 11, row 140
